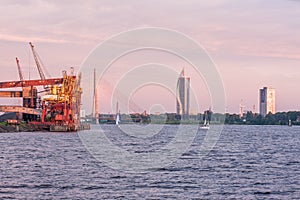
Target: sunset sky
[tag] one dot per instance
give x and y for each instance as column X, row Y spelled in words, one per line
column 254, row 43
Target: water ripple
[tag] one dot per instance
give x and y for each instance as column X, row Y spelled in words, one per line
column 248, row 162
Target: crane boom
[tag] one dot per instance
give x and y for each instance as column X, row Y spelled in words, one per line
column 27, row 83
column 42, row 75
column 19, row 70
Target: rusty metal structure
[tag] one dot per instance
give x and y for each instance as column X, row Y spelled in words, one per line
column 58, row 106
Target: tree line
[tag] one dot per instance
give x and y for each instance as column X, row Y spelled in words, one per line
column 280, row 118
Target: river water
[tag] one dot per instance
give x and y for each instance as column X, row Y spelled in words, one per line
column 247, row 162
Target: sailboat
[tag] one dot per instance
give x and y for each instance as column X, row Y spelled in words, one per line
column 206, row 118
column 118, row 120
column 290, row 123
column 118, row 116
column 205, row 125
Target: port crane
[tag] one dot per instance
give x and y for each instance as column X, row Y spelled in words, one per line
column 60, row 105
column 8, row 84
column 37, row 62
column 19, row 69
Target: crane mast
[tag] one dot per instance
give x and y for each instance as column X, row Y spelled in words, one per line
column 19, row 70
column 42, row 75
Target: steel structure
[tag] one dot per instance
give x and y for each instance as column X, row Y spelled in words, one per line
column 11, row 94
column 20, row 109
column 37, row 62
column 29, row 83
column 19, row 70
column 57, row 109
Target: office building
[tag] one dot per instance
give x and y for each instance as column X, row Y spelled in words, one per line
column 266, row 101
column 183, row 95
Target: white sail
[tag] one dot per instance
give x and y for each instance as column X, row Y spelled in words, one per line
column 118, row 119
column 205, row 125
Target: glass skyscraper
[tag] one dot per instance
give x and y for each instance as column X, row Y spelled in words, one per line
column 266, row 101
column 183, row 95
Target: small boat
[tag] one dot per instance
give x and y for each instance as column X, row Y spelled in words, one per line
column 205, row 125
column 206, row 118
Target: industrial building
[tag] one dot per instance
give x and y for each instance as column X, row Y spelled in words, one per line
column 56, row 107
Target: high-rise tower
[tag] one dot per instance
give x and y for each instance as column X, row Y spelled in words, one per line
column 183, row 95
column 95, row 99
column 266, row 101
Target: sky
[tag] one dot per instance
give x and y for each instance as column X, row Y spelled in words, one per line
column 253, row 43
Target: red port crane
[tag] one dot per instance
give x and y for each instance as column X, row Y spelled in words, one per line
column 19, row 70
column 37, row 62
column 60, row 106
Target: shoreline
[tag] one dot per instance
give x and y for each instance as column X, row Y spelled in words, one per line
column 30, row 128
column 4, row 128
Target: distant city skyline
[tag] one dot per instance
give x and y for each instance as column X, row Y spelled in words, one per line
column 253, row 43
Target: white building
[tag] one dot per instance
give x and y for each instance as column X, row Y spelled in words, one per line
column 266, row 101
